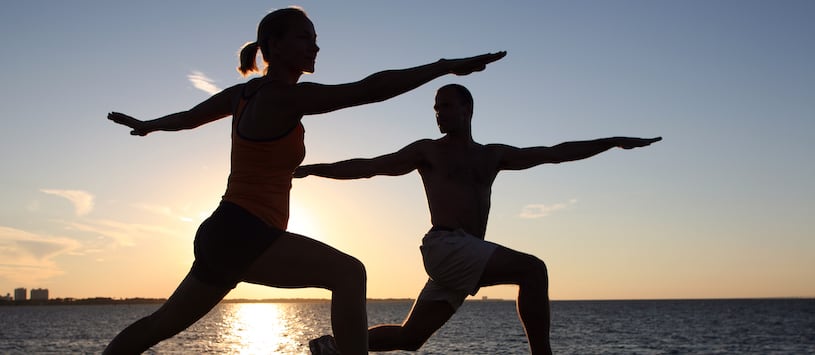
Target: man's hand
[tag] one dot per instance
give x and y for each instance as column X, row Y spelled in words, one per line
column 302, row 171
column 469, row 65
column 630, row 143
column 139, row 127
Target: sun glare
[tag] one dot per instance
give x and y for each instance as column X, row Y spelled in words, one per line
column 301, row 222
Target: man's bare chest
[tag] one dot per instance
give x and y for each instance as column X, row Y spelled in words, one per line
column 463, row 168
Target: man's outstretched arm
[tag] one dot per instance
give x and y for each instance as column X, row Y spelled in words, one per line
column 399, row 163
column 513, row 158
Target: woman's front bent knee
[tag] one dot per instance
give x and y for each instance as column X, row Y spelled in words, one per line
column 357, row 269
column 350, row 273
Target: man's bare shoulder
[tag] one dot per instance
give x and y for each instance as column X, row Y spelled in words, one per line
column 498, row 146
column 421, row 144
column 498, row 149
column 418, row 150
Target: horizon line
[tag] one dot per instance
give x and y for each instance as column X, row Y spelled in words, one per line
column 319, row 299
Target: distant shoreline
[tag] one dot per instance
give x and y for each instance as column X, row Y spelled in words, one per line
column 140, row 300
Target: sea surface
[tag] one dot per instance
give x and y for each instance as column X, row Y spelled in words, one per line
column 761, row 326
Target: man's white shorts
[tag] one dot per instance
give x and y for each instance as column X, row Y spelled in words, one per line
column 455, row 261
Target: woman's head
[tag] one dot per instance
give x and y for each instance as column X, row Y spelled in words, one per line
column 277, row 34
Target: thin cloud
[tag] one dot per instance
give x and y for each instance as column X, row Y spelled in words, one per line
column 165, row 211
column 155, row 209
column 533, row 211
column 123, row 234
column 82, row 200
column 28, row 257
column 203, row 83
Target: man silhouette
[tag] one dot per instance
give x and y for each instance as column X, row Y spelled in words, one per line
column 457, row 174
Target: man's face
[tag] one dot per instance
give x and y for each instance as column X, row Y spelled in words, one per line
column 452, row 114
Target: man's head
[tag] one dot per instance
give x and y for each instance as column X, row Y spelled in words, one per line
column 454, row 108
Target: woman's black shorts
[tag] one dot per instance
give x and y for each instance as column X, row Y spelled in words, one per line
column 228, row 242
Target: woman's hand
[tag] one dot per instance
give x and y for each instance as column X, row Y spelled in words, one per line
column 464, row 66
column 631, row 143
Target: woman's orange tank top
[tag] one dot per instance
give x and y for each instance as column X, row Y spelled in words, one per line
column 261, row 175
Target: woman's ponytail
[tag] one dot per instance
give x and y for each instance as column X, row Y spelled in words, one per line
column 247, row 58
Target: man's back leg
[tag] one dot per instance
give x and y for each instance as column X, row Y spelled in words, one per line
column 423, row 320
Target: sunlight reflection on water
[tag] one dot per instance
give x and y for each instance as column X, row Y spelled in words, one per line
column 263, row 328
column 251, row 328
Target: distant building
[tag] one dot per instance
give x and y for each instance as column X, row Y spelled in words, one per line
column 7, row 297
column 39, row 294
column 19, row 294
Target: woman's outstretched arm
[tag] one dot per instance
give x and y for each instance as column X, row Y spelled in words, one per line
column 313, row 98
column 216, row 107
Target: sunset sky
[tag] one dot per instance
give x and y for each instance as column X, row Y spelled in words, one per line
column 722, row 207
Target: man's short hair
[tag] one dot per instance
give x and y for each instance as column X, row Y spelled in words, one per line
column 462, row 92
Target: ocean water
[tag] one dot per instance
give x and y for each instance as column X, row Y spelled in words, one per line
column 763, row 326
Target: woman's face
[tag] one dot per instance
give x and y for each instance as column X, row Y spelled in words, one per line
column 297, row 49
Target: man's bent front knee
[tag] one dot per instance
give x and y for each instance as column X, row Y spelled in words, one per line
column 536, row 271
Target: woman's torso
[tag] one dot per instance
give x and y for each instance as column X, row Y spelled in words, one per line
column 261, row 170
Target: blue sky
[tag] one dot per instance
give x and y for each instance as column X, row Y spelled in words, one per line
column 722, row 207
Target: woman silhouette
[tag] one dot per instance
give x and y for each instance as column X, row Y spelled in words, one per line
column 245, row 239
